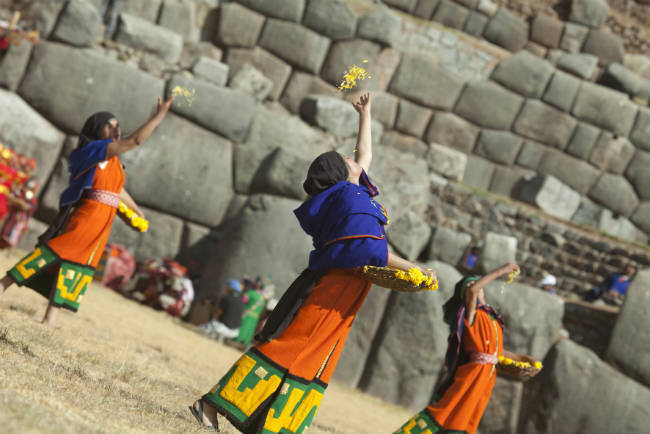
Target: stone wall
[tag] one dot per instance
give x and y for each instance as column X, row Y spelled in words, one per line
column 460, row 124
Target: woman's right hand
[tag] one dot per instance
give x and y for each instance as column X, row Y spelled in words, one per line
column 430, row 273
column 508, row 268
column 163, row 106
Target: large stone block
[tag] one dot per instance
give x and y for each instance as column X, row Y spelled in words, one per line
column 489, row 105
column 506, row 179
column 589, row 12
column 583, row 140
column 141, row 34
column 640, row 134
column 380, row 25
column 478, row 172
column 612, row 153
column 299, row 46
column 534, row 119
column 524, row 73
column 638, row 172
column 246, row 244
column 220, row 109
column 402, row 179
column 29, row 239
column 641, row 216
column 271, row 66
column 282, row 174
column 180, row 16
column 412, row 119
column 551, row 195
column 574, row 172
column 454, row 131
column 404, row 143
column 79, row 24
column 608, row 47
column 250, row 80
column 578, row 392
column 620, row 227
column 113, row 86
column 147, row 9
column 447, row 161
column 344, row 54
column 531, row 154
column 498, row 146
column 451, row 14
column 616, row 193
column 546, row 30
column 238, row 26
column 594, row 104
column 629, row 346
column 211, row 70
column 358, row 345
column 27, row 132
column 332, row 18
column 476, row 24
column 562, row 91
column 267, row 132
column 385, row 109
column 405, row 5
column 13, row 65
column 425, row 8
column 573, row 37
column 498, row 249
column 290, row 10
column 588, row 213
column 421, row 80
column 331, row 114
column 619, row 77
column 507, row 30
column 394, row 371
column 163, row 240
column 502, row 411
column 409, row 235
column 448, row 245
column 302, row 84
column 193, row 182
column 581, row 64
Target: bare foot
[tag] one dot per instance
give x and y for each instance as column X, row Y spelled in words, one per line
column 207, row 413
column 5, row 283
column 50, row 316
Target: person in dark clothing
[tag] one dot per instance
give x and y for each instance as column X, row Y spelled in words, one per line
column 614, row 288
column 226, row 317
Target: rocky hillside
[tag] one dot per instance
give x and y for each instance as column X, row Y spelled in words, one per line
column 474, row 105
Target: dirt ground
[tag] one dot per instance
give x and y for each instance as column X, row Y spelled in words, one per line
column 116, row 366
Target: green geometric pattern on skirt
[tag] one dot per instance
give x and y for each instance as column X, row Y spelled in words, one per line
column 421, row 423
column 70, row 281
column 256, row 396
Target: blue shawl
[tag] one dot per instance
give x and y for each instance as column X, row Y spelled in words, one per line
column 82, row 165
column 346, row 225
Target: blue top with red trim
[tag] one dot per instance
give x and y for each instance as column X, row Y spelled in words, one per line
column 346, row 225
column 83, row 163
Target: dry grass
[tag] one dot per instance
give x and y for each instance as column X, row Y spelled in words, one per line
column 119, row 367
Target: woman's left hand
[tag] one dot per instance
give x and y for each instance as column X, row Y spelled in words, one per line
column 363, row 105
column 430, row 273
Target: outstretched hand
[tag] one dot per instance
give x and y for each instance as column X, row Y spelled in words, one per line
column 363, row 105
column 508, row 268
column 163, row 106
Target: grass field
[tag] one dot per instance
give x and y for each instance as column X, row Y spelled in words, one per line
column 116, row 366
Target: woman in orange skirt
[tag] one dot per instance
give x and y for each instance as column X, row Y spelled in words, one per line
column 475, row 344
column 277, row 386
column 63, row 264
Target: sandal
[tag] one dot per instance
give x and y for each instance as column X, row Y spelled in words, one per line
column 199, row 416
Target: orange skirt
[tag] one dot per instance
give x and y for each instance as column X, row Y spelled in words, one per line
column 277, row 386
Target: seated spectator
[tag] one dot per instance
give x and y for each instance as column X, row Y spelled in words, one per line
column 548, row 283
column 614, row 288
column 227, row 315
column 470, row 259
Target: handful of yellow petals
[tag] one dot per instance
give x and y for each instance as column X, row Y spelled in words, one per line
column 417, row 278
column 521, row 365
column 512, row 276
column 412, row 280
column 188, row 94
column 353, row 75
column 134, row 220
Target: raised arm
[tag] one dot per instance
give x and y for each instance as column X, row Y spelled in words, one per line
column 363, row 150
column 472, row 292
column 117, row 147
